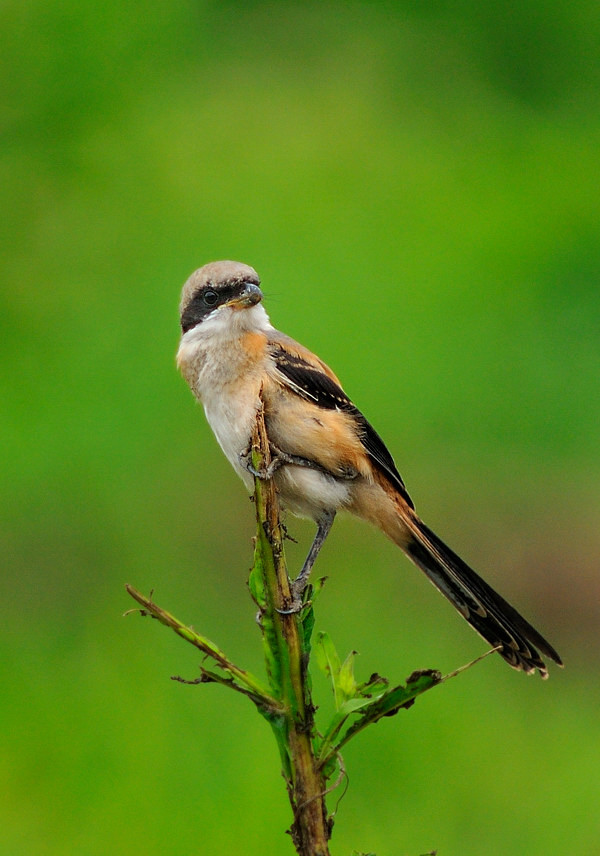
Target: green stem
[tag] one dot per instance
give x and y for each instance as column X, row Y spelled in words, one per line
column 306, row 786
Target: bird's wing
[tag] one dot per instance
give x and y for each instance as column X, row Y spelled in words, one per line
column 308, row 377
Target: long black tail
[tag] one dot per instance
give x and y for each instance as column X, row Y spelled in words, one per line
column 486, row 611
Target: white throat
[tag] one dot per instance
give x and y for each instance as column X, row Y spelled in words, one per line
column 229, row 323
column 212, row 343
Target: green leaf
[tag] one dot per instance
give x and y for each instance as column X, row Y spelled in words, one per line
column 346, row 683
column 390, row 702
column 256, row 580
column 329, row 662
column 352, row 705
column 316, row 588
column 372, row 706
column 374, row 686
column 257, row 586
column 311, row 593
column 280, row 730
column 403, row 697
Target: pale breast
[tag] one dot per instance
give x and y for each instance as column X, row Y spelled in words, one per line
column 224, row 373
column 232, row 419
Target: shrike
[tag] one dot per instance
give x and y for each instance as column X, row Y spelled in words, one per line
column 326, row 456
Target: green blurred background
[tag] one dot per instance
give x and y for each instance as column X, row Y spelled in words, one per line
column 422, row 174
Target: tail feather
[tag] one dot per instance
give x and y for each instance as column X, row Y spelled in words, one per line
column 487, row 612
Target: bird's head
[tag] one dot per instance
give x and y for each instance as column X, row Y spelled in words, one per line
column 215, row 288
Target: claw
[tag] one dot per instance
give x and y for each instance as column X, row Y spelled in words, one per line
column 297, row 604
column 296, row 607
column 278, row 459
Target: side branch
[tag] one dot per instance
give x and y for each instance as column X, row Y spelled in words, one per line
column 240, row 679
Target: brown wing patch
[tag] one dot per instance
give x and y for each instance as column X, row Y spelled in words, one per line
column 299, row 370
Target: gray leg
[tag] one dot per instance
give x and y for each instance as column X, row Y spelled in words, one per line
column 324, row 524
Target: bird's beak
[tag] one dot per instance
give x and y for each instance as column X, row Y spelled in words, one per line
column 250, row 296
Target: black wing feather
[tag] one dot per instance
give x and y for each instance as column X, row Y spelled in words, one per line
column 314, row 385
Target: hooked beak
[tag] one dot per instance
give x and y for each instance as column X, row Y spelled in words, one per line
column 250, row 296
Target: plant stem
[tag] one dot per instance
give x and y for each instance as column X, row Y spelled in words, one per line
column 310, row 829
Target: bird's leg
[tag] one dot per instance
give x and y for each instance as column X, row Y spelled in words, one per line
column 279, row 459
column 324, row 524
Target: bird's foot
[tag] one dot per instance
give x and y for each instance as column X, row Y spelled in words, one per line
column 279, row 458
column 264, row 473
column 297, row 603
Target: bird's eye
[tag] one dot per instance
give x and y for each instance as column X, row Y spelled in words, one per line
column 210, row 297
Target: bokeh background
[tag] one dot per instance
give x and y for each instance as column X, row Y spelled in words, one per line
column 418, row 184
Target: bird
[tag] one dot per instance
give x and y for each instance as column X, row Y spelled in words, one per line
column 326, row 455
